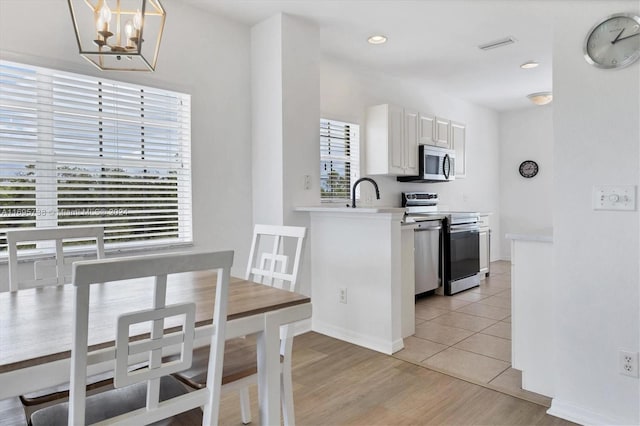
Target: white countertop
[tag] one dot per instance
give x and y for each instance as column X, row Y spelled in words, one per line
column 541, row 235
column 344, row 209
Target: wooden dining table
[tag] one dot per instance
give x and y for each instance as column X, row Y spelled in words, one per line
column 36, row 328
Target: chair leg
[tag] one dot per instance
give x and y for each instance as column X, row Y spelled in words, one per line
column 286, row 390
column 245, row 405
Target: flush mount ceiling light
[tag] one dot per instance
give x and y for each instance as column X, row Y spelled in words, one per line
column 540, row 98
column 529, row 64
column 377, row 39
column 119, row 35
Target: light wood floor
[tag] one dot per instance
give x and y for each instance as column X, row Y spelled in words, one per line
column 336, row 383
column 468, row 335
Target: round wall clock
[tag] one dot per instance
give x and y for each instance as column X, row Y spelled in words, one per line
column 614, row 42
column 528, row 168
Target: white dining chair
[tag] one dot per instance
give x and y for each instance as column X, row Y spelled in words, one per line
column 150, row 394
column 21, row 237
column 57, row 237
column 269, row 264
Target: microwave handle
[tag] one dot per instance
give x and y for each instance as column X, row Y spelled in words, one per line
column 446, row 166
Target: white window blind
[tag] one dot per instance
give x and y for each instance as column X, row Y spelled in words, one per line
column 339, row 159
column 79, row 150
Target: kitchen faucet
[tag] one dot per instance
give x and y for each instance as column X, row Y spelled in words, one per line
column 353, row 190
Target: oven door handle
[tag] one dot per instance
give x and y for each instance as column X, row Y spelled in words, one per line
column 424, row 227
column 464, row 228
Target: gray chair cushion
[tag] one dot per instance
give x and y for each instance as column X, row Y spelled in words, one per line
column 113, row 403
column 240, row 360
column 97, row 381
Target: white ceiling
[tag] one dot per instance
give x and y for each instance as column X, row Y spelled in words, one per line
column 432, row 40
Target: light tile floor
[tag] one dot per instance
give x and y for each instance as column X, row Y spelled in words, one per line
column 468, row 335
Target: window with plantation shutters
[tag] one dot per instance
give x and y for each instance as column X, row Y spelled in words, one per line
column 79, row 150
column 339, row 159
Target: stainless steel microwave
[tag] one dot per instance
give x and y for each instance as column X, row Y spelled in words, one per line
column 435, row 165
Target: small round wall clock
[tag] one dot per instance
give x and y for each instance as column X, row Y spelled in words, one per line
column 614, row 42
column 528, row 169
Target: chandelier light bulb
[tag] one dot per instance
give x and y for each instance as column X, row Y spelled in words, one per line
column 105, row 13
column 128, row 31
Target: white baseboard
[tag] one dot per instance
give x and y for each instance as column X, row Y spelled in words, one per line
column 369, row 342
column 302, row 327
column 581, row 415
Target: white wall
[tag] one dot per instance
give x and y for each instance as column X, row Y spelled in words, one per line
column 345, row 94
column 267, row 115
column 596, row 120
column 200, row 54
column 285, row 82
column 525, row 204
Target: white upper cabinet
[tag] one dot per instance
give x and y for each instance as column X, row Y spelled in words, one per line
column 426, row 129
column 457, row 139
column 441, row 136
column 410, row 142
column 391, row 141
column 396, row 129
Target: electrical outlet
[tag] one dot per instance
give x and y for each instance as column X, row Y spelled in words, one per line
column 628, row 363
column 342, row 295
column 307, row 182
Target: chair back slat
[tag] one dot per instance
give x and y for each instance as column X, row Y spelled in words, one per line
column 271, row 267
column 58, row 236
column 86, row 273
column 153, row 345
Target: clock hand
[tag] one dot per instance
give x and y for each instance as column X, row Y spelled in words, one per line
column 629, row 36
column 617, row 37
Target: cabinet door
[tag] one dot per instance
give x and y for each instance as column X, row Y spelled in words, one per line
column 441, row 135
column 458, row 144
column 426, row 129
column 484, row 252
column 410, row 139
column 396, row 146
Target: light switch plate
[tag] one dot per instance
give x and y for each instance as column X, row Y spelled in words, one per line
column 614, row 197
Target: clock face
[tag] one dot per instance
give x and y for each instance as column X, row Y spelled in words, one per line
column 528, row 169
column 614, row 42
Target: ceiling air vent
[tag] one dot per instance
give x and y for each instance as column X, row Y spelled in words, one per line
column 497, row 43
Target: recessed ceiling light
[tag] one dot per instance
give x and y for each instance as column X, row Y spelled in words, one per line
column 377, row 39
column 540, row 98
column 529, row 64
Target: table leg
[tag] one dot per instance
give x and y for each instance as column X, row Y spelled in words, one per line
column 269, row 371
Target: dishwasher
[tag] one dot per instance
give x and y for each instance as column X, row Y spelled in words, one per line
column 427, row 249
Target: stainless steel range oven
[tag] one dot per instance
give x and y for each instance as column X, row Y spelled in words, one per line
column 459, row 254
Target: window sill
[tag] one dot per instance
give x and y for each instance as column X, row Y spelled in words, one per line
column 27, row 256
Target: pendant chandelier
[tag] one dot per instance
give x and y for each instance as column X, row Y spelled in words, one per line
column 119, row 35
